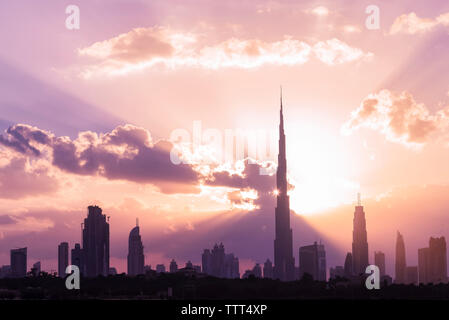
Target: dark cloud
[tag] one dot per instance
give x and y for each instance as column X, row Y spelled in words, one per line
column 126, row 153
column 6, row 219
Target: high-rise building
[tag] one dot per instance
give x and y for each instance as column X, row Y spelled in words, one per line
column 284, row 262
column 63, row 258
column 359, row 240
column 219, row 264
column 424, row 265
column 36, row 269
column 379, row 260
column 136, row 258
column 96, row 243
column 173, row 266
column 77, row 258
column 400, row 263
column 231, row 266
column 312, row 260
column 268, row 269
column 411, row 275
column 160, row 268
column 432, row 262
column 218, row 261
column 438, row 262
column 349, row 271
column 19, row 262
column 257, row 271
column 206, row 260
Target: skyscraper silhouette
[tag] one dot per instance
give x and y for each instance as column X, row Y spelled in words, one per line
column 96, row 243
column 173, row 266
column 312, row 260
column 349, row 267
column 400, row 263
column 19, row 262
column 268, row 269
column 379, row 260
column 77, row 258
column 359, row 240
column 136, row 258
column 63, row 258
column 432, row 262
column 284, row 262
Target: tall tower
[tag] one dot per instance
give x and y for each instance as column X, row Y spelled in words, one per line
column 63, row 258
column 400, row 263
column 136, row 258
column 359, row 240
column 284, row 263
column 96, row 243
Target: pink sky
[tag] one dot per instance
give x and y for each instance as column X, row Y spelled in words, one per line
column 366, row 111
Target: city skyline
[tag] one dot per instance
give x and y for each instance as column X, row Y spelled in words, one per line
column 90, row 116
column 93, row 258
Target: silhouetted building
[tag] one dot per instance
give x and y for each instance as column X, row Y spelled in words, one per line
column 349, row 271
column 19, row 262
column 411, row 275
column 359, row 240
column 268, row 269
column 77, row 258
column 231, row 266
column 63, row 258
column 400, row 263
column 219, row 264
column 36, row 269
column 112, row 271
column 218, row 261
column 5, row 271
column 438, row 262
column 257, row 271
column 424, row 265
column 338, row 271
column 136, row 258
column 432, row 262
column 312, row 260
column 206, row 259
column 379, row 260
column 160, row 268
column 173, row 266
column 96, row 243
column 284, row 262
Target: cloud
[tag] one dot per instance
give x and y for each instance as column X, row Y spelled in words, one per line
column 143, row 48
column 398, row 116
column 6, row 220
column 412, row 24
column 20, row 179
column 21, row 137
column 320, row 11
column 125, row 153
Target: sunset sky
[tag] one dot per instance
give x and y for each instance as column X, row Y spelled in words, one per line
column 89, row 116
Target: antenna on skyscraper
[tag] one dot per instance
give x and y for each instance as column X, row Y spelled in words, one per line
column 137, row 222
column 359, row 201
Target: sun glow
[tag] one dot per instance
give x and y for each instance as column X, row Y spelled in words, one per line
column 318, row 170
